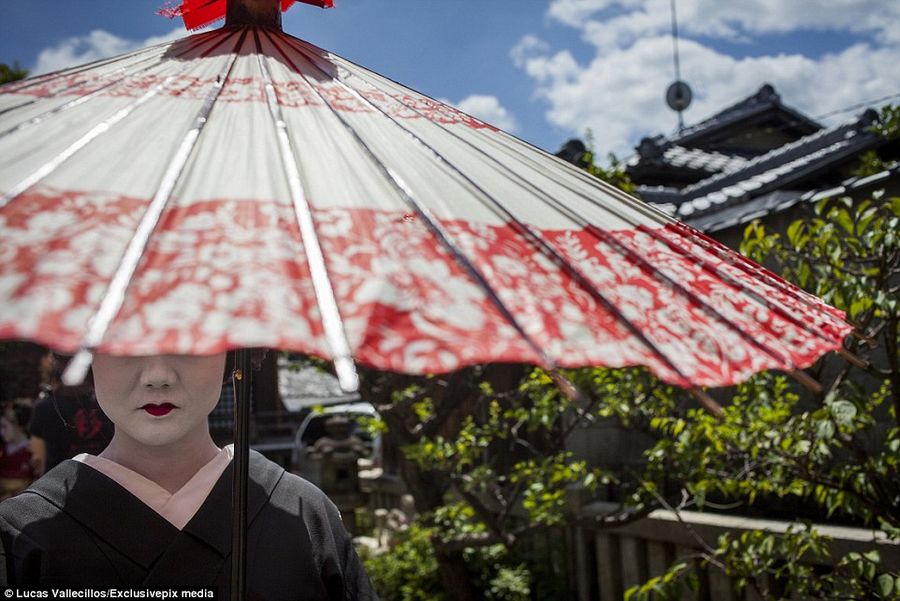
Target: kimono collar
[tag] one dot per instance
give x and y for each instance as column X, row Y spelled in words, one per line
column 113, row 514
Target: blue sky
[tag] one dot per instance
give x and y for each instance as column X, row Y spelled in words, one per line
column 546, row 69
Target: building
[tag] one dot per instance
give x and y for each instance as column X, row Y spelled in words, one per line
column 758, row 158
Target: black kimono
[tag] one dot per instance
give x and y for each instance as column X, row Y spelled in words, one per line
column 76, row 527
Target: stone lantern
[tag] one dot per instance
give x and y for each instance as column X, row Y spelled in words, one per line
column 337, row 455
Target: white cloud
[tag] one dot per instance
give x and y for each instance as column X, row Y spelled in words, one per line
column 619, row 94
column 528, row 47
column 96, row 45
column 489, row 110
column 730, row 19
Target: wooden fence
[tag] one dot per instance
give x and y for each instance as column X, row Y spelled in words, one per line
column 603, row 563
column 609, row 561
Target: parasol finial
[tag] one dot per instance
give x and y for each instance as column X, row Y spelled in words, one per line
column 261, row 13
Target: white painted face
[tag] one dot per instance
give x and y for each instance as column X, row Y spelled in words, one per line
column 159, row 400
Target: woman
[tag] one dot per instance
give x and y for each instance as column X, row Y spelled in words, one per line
column 154, row 508
column 66, row 420
column 16, row 471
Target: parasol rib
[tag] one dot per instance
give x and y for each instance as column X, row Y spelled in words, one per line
column 656, row 214
column 407, row 195
column 726, row 277
column 653, row 213
column 636, row 258
column 527, row 232
column 114, row 296
column 331, row 317
column 545, row 247
column 17, row 86
column 117, row 74
column 744, row 264
column 702, row 240
column 647, row 209
column 102, row 127
column 81, row 100
column 622, row 248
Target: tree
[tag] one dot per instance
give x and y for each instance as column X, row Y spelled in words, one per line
column 485, row 454
column 838, row 450
column 11, row 73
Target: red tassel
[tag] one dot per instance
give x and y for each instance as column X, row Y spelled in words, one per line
column 200, row 13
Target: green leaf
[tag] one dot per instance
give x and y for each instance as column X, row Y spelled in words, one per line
column 824, row 430
column 843, row 412
column 793, row 232
column 885, row 585
column 843, row 219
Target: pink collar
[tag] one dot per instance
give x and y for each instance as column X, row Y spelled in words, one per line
column 177, row 508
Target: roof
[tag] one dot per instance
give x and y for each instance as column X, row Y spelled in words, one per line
column 302, row 386
column 674, row 155
column 781, row 169
column 780, row 200
column 744, row 189
column 765, row 100
column 723, row 143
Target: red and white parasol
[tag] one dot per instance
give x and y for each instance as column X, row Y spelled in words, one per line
column 245, row 188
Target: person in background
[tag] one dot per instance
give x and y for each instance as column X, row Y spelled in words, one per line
column 66, row 420
column 16, row 472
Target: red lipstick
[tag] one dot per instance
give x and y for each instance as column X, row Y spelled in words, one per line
column 158, row 410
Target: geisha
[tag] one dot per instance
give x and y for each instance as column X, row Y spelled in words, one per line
column 154, row 508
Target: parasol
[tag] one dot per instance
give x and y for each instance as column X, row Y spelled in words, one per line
column 244, row 188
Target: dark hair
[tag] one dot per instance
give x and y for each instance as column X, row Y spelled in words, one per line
column 20, row 412
column 52, row 369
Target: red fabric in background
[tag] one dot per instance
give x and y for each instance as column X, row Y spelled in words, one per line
column 199, row 13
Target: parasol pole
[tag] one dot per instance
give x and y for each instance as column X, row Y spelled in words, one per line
column 258, row 13
column 241, row 378
column 244, row 13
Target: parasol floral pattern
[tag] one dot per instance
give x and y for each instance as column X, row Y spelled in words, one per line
column 210, row 281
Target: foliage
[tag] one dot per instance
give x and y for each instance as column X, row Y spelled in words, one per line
column 10, row 73
column 888, row 127
column 837, row 451
column 613, row 174
column 484, row 450
column 888, row 123
column 409, row 572
column 486, row 476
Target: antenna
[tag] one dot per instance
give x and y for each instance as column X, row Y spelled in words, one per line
column 678, row 95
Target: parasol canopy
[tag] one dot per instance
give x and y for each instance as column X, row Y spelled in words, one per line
column 244, row 188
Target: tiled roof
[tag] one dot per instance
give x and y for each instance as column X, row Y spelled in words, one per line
column 765, row 99
column 777, row 169
column 780, row 200
column 659, row 194
column 858, row 127
column 302, row 386
column 694, row 159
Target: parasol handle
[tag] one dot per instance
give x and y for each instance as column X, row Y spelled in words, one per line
column 241, row 378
